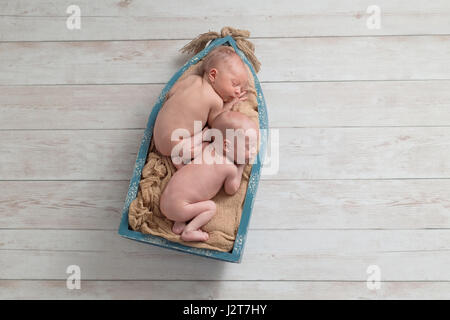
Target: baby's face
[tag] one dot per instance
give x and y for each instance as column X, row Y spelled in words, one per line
column 231, row 80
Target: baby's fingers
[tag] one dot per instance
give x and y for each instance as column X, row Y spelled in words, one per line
column 243, row 95
column 234, row 101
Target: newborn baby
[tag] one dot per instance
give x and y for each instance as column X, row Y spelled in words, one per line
column 200, row 97
column 190, row 190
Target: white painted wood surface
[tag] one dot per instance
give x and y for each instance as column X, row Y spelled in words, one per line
column 291, row 105
column 364, row 122
column 141, row 19
column 283, row 59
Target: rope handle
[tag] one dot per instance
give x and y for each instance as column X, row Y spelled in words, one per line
column 240, row 36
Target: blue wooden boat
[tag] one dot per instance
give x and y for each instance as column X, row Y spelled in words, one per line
column 236, row 254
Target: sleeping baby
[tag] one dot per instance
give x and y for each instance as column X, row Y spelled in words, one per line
column 200, row 97
column 188, row 193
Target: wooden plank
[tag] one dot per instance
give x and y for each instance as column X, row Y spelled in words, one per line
column 139, row 19
column 401, row 266
column 296, row 242
column 367, row 103
column 77, row 107
column 227, row 290
column 327, row 204
column 291, row 104
column 390, row 204
column 407, row 255
column 363, row 153
column 300, row 59
column 62, row 204
column 305, row 153
column 69, row 154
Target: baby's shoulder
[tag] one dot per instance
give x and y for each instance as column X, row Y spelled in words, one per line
column 193, row 80
column 186, row 83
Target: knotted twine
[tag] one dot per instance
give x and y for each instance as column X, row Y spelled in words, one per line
column 240, row 36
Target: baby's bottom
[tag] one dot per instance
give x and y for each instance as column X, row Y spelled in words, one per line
column 200, row 213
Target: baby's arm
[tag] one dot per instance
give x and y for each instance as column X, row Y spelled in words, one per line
column 225, row 106
column 216, row 109
column 229, row 105
column 189, row 148
column 233, row 180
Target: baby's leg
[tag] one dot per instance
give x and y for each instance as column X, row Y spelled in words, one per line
column 184, row 159
column 201, row 212
column 187, row 149
column 180, row 212
column 178, row 227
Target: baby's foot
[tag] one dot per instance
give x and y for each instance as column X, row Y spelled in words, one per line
column 194, row 235
column 178, row 227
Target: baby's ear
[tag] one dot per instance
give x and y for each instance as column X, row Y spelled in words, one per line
column 212, row 74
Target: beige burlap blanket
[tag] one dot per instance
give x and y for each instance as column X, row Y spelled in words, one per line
column 144, row 213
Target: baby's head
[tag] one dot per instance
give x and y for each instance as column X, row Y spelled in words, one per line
column 240, row 136
column 226, row 72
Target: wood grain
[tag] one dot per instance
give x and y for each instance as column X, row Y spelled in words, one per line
column 227, row 290
column 343, row 255
column 305, row 153
column 301, row 59
column 291, row 104
column 139, row 19
column 327, row 204
column 364, row 127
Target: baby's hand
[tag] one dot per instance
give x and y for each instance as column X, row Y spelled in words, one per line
column 242, row 96
column 228, row 105
column 233, row 182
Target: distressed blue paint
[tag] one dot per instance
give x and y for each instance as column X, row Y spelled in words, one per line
column 236, row 254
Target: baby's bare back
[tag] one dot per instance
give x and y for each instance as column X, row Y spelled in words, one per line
column 198, row 182
column 190, row 99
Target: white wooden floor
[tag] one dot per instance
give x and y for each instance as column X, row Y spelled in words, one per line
column 364, row 122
